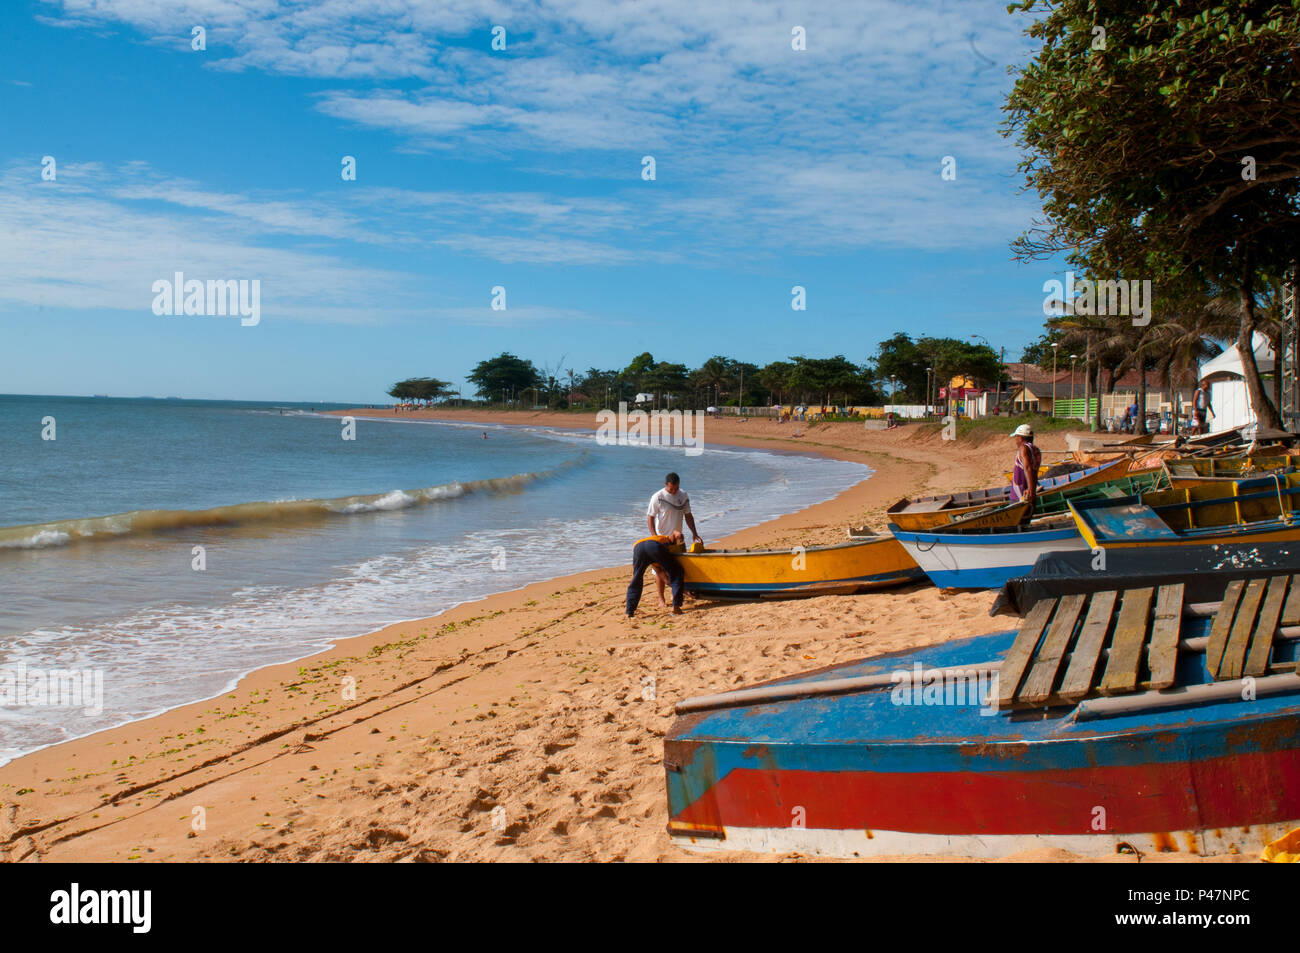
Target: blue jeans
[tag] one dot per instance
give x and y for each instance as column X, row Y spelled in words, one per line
column 644, row 555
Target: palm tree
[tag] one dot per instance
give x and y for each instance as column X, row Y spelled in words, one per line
column 715, row 373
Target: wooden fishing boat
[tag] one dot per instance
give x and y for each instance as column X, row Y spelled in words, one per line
column 1256, row 510
column 1189, row 471
column 927, row 511
column 1115, row 721
column 1047, row 504
column 875, row 562
column 1261, row 509
column 1212, row 565
column 985, row 558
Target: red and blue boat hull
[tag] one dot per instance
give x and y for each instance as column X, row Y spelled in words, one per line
column 874, row 773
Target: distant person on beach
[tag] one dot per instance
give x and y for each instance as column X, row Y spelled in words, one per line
column 1200, row 407
column 1024, row 472
column 668, row 508
column 654, row 551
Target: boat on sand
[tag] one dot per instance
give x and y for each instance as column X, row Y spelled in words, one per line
column 1118, row 721
column 862, row 565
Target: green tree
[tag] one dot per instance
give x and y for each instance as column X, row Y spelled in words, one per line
column 899, row 359
column 775, row 377
column 828, row 378
column 427, row 389
column 504, row 374
column 715, row 377
column 635, row 372
column 667, row 380
column 1170, row 151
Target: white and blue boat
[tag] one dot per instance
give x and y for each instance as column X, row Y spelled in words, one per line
column 985, row 558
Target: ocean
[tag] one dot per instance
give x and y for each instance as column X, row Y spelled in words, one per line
column 168, row 547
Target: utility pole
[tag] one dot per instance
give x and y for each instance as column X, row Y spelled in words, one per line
column 1073, row 359
column 1002, row 363
column 1055, row 345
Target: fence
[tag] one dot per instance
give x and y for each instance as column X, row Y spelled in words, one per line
column 905, row 410
column 1075, row 408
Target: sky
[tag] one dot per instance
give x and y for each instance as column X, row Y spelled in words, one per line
column 476, row 169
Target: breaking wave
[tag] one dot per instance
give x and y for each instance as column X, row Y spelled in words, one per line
column 141, row 522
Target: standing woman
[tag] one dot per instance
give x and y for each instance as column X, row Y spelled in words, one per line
column 1024, row 472
column 1201, row 406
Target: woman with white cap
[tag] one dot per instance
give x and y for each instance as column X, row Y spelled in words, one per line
column 1024, row 472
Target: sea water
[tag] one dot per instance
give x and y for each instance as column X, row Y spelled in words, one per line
column 169, row 547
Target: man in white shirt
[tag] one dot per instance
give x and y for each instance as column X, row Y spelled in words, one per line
column 668, row 508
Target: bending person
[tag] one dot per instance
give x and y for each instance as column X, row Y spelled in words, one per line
column 653, row 551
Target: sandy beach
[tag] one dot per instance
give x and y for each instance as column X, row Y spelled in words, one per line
column 518, row 727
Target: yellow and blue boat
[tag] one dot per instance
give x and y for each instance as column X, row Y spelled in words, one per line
column 1192, row 470
column 1261, row 509
column 874, row 562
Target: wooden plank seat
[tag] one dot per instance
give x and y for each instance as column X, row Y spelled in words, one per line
column 1121, row 642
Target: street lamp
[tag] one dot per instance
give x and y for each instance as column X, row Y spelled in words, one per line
column 1055, row 345
column 1073, row 358
column 929, row 371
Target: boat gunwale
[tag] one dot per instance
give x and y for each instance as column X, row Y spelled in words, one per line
column 859, row 542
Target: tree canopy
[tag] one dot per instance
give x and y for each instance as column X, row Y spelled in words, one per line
column 1163, row 137
column 504, row 373
column 427, row 389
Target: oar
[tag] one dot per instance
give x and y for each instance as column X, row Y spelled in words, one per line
column 1233, row 690
column 832, row 686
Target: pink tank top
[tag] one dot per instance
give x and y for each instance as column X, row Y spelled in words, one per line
column 1019, row 479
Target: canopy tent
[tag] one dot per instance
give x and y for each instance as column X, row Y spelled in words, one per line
column 1228, row 394
column 1229, row 362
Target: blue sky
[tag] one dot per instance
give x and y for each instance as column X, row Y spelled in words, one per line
column 479, row 168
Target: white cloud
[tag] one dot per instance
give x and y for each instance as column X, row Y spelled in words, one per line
column 69, row 244
column 834, row 147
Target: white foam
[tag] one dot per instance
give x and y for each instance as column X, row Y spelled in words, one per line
column 172, row 654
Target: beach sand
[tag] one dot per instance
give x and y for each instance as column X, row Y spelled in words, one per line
column 518, row 727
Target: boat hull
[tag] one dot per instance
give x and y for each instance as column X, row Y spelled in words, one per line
column 867, row 774
column 860, row 566
column 992, row 507
column 1194, row 472
column 983, row 560
column 1255, row 510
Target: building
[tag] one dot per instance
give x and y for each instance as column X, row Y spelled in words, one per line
column 1032, row 391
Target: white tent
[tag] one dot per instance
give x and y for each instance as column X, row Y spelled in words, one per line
column 1228, row 394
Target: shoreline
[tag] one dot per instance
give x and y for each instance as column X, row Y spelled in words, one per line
column 286, row 766
column 235, row 682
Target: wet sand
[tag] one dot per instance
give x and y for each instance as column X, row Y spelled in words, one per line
column 518, row 727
